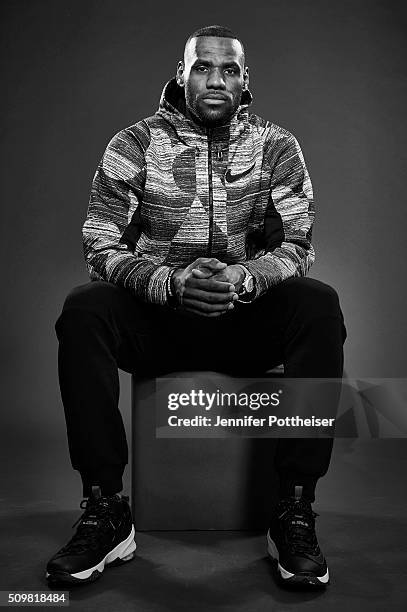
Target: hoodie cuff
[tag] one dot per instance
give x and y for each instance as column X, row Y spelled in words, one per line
column 157, row 286
column 263, row 280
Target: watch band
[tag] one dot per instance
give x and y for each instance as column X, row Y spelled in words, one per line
column 170, row 293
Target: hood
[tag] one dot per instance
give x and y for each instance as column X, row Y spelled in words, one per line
column 172, row 108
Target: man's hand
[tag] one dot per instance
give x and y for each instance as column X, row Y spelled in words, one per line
column 233, row 274
column 198, row 291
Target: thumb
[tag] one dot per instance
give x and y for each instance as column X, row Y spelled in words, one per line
column 214, row 264
column 202, row 272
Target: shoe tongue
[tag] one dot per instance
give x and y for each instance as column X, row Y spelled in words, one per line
column 298, row 492
column 97, row 497
column 96, row 492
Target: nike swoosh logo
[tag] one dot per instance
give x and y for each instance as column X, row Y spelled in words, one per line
column 231, row 178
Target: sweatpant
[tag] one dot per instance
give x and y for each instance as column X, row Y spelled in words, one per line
column 104, row 327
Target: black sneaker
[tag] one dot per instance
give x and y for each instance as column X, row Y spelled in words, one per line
column 105, row 536
column 292, row 542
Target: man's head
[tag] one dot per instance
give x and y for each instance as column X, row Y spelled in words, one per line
column 213, row 74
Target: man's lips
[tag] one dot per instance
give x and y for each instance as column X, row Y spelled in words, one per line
column 214, row 99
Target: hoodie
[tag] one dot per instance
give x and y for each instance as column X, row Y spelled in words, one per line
column 168, row 191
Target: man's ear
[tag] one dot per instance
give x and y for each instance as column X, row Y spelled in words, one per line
column 180, row 73
column 246, row 78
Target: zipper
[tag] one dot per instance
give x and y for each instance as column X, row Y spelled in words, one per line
column 210, row 198
column 219, row 153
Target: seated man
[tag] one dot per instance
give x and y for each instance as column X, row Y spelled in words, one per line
column 198, row 242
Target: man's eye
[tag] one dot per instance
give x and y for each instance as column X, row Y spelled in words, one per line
column 201, row 68
column 231, row 71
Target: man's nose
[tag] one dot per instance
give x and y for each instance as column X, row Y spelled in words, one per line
column 215, row 79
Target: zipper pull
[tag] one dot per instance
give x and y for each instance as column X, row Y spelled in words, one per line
column 219, row 153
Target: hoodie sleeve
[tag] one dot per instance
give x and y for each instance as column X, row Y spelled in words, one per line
column 287, row 250
column 112, row 225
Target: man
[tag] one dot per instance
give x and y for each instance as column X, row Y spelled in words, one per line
column 198, row 240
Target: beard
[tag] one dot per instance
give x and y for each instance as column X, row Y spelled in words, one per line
column 210, row 116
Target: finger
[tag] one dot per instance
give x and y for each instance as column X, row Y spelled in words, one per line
column 215, row 264
column 207, row 296
column 209, row 262
column 221, row 277
column 202, row 273
column 208, row 284
column 206, row 307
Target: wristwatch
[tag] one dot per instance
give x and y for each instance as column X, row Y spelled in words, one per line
column 247, row 289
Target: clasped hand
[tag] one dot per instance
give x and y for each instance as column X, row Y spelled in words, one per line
column 207, row 286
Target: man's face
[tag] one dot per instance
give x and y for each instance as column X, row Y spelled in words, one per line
column 213, row 74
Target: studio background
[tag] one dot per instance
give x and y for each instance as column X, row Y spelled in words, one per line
column 75, row 73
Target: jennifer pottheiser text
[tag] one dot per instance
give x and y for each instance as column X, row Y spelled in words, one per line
column 249, row 421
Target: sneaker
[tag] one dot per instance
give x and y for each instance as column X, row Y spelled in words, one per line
column 292, row 542
column 105, row 537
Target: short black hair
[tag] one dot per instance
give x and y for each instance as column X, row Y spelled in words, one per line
column 215, row 30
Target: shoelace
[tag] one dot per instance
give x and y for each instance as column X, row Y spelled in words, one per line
column 93, row 524
column 299, row 520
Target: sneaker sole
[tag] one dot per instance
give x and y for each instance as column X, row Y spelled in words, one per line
column 122, row 553
column 295, row 580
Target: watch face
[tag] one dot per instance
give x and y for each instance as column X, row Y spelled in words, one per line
column 249, row 284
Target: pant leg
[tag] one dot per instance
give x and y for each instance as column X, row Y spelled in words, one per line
column 98, row 323
column 89, row 386
column 298, row 323
column 103, row 327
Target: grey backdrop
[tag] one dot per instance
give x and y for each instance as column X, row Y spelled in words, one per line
column 74, row 73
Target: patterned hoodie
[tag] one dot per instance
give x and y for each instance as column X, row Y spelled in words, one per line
column 168, row 191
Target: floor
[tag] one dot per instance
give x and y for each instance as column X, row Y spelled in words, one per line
column 362, row 529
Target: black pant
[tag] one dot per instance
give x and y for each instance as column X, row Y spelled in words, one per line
column 103, row 327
